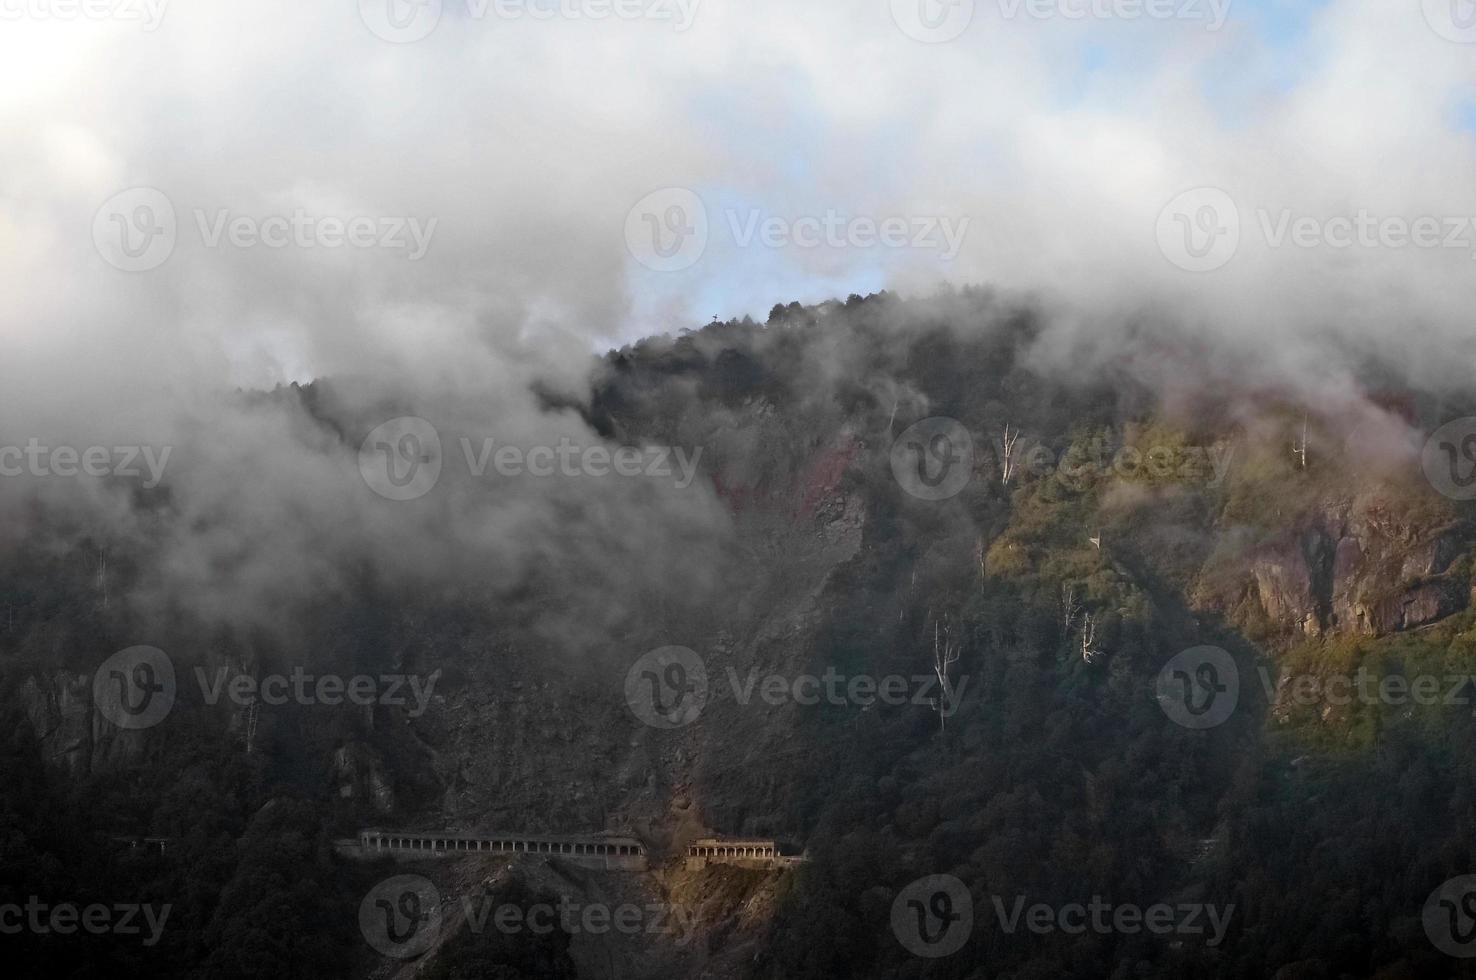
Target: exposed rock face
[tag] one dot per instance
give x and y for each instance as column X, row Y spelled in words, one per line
column 1291, row 577
column 1360, row 573
column 73, row 736
column 360, row 774
column 1417, row 606
column 59, row 707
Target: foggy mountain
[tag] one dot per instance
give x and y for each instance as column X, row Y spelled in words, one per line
column 774, row 519
column 754, row 490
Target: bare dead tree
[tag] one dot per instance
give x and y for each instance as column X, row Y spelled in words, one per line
column 1089, row 651
column 1007, row 454
column 102, row 576
column 1299, row 449
column 893, row 417
column 1070, row 606
column 945, row 655
column 251, row 712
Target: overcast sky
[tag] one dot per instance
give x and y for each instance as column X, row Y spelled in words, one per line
column 1046, row 142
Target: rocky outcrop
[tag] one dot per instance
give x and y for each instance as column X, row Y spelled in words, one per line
column 59, row 708
column 360, row 774
column 1292, row 576
column 1359, row 572
column 74, row 737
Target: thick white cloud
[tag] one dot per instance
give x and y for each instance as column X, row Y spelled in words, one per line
column 527, row 141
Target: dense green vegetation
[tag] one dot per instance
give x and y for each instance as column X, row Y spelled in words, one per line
column 1058, row 779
